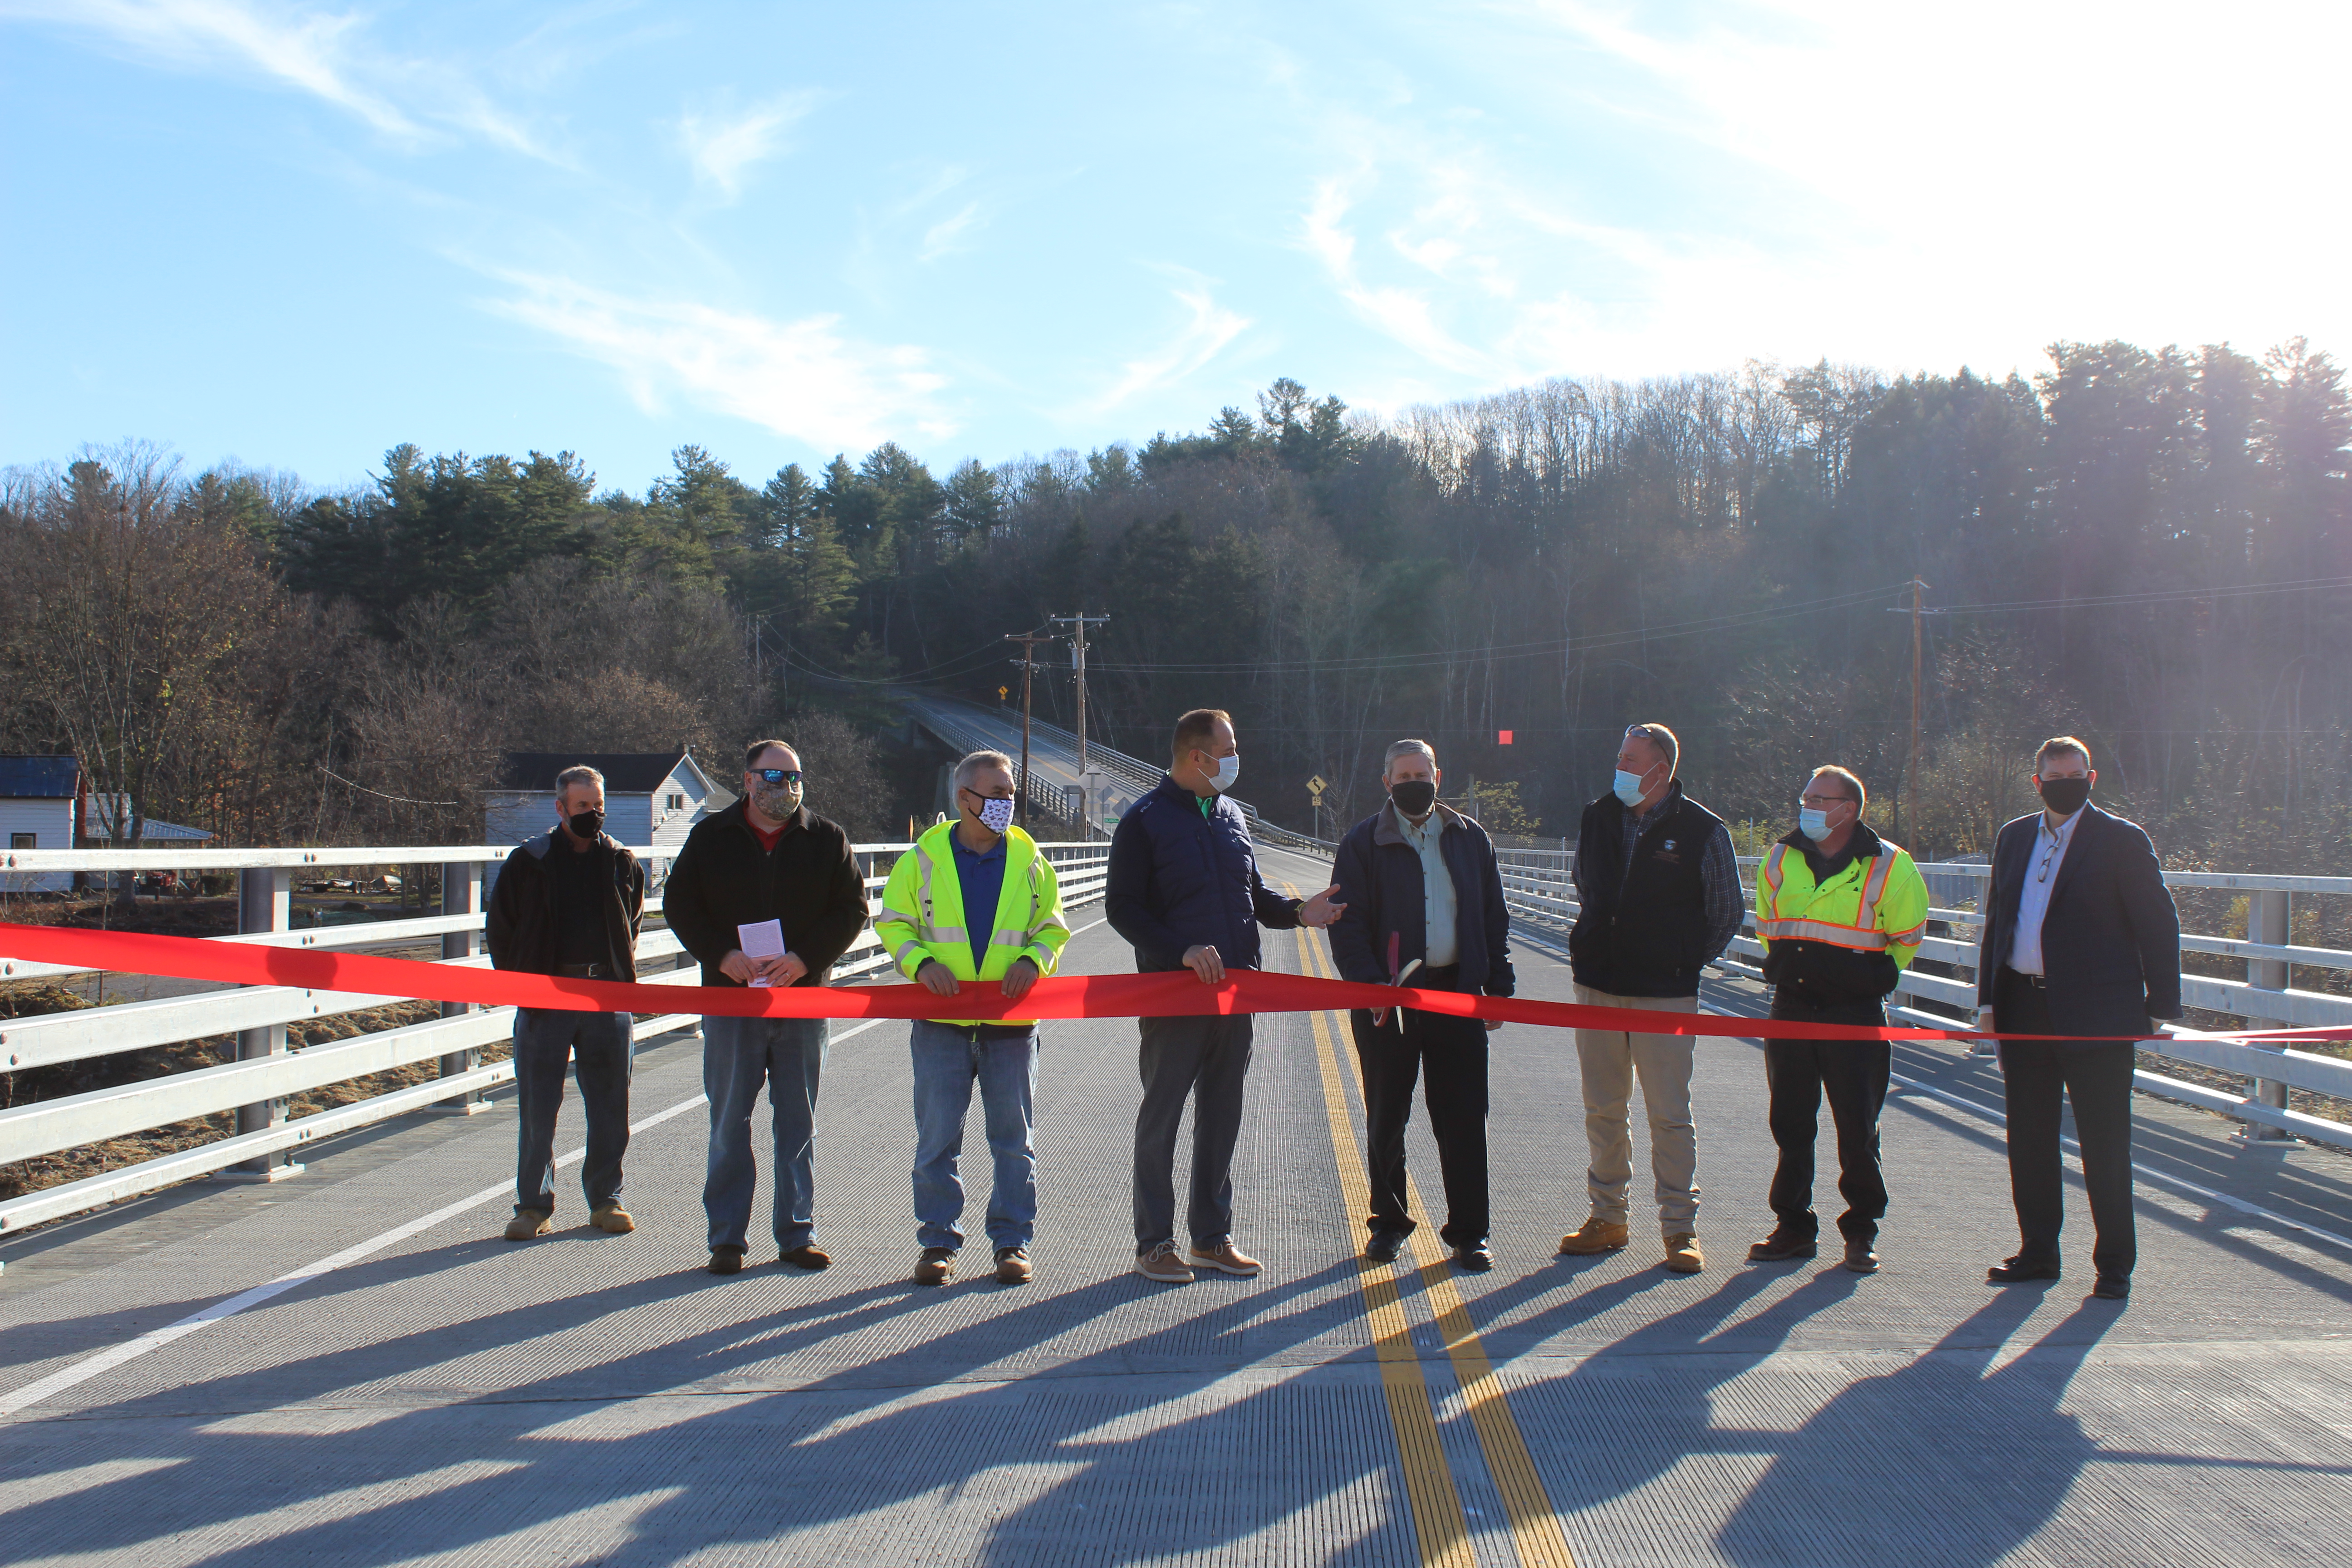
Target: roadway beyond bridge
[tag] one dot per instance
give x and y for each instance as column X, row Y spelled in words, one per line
column 429, row 1393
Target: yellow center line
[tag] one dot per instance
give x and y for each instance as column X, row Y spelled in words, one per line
column 1536, row 1532
column 1439, row 1527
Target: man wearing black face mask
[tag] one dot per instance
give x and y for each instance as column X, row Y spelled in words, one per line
column 570, row 904
column 1421, row 892
column 2082, row 939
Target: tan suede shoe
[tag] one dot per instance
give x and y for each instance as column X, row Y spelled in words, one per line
column 1595, row 1235
column 614, row 1218
column 1683, row 1254
column 1224, row 1257
column 528, row 1223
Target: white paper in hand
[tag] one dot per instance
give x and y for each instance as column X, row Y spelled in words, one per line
column 763, row 940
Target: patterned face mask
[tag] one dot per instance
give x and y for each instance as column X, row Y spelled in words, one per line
column 777, row 801
column 996, row 815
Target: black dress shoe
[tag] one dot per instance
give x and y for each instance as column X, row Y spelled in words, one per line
column 2019, row 1269
column 2112, row 1287
column 1474, row 1258
column 1384, row 1245
column 1860, row 1258
column 1783, row 1247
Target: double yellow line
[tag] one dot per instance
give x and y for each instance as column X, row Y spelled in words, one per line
column 1439, row 1524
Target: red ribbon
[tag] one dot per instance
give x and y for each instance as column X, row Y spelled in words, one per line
column 1168, row 994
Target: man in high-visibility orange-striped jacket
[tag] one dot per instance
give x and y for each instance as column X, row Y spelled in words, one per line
column 1841, row 912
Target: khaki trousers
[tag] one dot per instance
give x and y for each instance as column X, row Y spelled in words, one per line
column 1611, row 1060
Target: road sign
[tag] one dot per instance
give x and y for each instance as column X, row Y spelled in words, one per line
column 1316, row 784
column 1002, row 692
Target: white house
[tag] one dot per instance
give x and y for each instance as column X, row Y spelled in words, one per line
column 650, row 797
column 41, row 808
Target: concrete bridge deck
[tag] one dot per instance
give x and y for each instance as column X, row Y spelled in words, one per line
column 427, row 1392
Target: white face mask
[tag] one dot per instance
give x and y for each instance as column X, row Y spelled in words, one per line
column 996, row 815
column 1228, row 770
column 1628, row 787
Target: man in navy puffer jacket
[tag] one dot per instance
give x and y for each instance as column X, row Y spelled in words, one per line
column 1185, row 892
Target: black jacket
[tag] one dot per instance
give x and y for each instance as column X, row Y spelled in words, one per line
column 1819, row 979
column 1644, row 934
column 810, row 882
column 1180, row 879
column 521, row 922
column 1381, row 881
column 2111, row 940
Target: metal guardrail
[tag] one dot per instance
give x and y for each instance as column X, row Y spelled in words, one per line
column 266, row 1075
column 1538, row 882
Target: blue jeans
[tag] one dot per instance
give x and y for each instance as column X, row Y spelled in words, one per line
column 604, row 1047
column 948, row 1060
column 738, row 1056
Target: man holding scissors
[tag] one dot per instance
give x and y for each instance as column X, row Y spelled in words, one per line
column 1424, row 908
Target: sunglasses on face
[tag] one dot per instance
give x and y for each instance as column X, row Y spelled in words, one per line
column 777, row 775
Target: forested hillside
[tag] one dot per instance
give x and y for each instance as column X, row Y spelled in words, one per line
column 2152, row 549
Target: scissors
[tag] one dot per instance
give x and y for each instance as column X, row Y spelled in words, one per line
column 1396, row 977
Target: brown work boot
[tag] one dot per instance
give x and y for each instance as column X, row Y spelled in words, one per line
column 528, row 1223
column 807, row 1257
column 1683, row 1254
column 612, row 1219
column 1012, row 1266
column 726, row 1260
column 1224, row 1256
column 1595, row 1235
column 1163, row 1264
column 935, row 1267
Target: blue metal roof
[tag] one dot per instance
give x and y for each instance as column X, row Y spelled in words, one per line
column 38, row 778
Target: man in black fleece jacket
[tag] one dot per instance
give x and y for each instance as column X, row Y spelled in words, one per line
column 766, row 857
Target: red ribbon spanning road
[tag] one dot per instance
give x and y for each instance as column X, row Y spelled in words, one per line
column 1080, row 997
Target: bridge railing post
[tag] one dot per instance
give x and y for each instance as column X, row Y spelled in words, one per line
column 264, row 903
column 2269, row 921
column 461, row 894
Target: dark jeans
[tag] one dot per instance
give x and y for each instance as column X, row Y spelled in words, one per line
column 1448, row 1056
column 1854, row 1075
column 740, row 1055
column 2097, row 1080
column 605, row 1048
column 1206, row 1060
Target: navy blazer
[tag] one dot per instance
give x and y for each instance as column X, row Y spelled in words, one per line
column 2111, row 940
column 1381, row 882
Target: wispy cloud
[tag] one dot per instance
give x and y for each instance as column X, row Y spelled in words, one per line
column 1210, row 327
column 945, row 236
column 325, row 54
column 804, row 379
column 723, row 146
column 1407, row 315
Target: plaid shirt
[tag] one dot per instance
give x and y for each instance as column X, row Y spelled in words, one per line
column 1718, row 868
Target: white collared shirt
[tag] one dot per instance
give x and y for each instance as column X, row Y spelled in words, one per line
column 2033, row 898
column 1436, row 885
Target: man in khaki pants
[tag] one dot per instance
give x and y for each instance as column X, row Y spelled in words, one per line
column 1658, row 896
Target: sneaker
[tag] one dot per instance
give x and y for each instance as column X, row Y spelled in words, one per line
column 1683, row 1256
column 528, row 1223
column 726, row 1260
column 1163, row 1264
column 1222, row 1255
column 1784, row 1245
column 1012, row 1266
column 935, row 1267
column 1596, row 1234
column 612, row 1219
column 807, row 1257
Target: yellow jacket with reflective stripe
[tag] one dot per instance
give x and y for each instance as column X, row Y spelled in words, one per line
column 922, row 914
column 1873, row 905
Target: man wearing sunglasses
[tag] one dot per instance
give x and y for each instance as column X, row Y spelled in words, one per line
column 974, row 904
column 2080, row 938
column 766, row 857
column 1841, row 912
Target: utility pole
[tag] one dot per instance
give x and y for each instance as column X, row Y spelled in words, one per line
column 1028, row 641
column 1911, row 778
column 1078, row 625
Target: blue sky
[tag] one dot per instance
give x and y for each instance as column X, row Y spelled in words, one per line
column 297, row 234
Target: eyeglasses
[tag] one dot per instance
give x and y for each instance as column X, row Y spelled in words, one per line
column 1822, row 802
column 777, row 775
column 977, row 795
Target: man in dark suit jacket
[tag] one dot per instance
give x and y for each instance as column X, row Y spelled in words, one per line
column 2080, row 938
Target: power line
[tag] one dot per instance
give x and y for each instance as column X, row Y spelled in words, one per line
column 363, row 789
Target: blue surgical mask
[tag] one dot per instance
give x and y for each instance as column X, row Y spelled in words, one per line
column 1628, row 787
column 1813, row 825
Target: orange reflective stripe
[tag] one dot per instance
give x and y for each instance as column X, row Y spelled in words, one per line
column 1874, row 887
column 1827, row 932
column 1772, row 869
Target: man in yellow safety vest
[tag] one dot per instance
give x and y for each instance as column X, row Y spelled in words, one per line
column 1841, row 912
column 974, row 901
